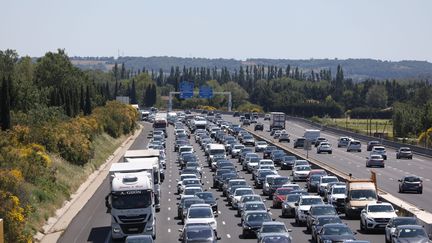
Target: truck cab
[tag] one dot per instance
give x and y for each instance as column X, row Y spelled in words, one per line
column 131, row 205
column 360, row 192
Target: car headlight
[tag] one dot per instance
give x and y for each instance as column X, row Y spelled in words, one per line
column 116, row 230
column 149, row 228
column 370, row 219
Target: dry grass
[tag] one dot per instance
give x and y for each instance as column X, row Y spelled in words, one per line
column 69, row 178
column 361, row 125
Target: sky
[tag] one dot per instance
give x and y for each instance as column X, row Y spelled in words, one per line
column 279, row 29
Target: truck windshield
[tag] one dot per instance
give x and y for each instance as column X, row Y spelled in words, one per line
column 159, row 124
column 363, row 194
column 123, row 200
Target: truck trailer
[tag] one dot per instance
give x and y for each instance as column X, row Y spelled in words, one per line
column 277, row 120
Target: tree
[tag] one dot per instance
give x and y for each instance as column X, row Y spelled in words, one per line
column 5, row 119
column 239, row 95
column 82, row 99
column 132, row 94
column 88, row 106
column 377, row 96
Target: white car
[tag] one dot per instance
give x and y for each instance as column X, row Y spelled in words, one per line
column 190, row 191
column 183, row 177
column 300, row 172
column 324, row 147
column 323, row 182
column 343, row 141
column 260, row 146
column 376, row 215
column 337, row 195
column 236, row 150
column 201, row 213
column 238, row 193
column 379, row 150
column 354, row 145
column 303, row 205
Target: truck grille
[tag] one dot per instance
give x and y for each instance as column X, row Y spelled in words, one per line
column 132, row 228
column 132, row 219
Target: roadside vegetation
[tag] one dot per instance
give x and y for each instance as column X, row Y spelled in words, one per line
column 54, row 134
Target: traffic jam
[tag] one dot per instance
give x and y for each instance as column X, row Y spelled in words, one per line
column 263, row 186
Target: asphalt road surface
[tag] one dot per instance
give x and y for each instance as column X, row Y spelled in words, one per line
column 355, row 163
column 92, row 224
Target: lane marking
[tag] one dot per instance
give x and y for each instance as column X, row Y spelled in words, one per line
column 228, row 236
column 168, row 218
column 223, row 222
column 169, row 208
column 219, row 212
column 169, row 199
column 169, row 230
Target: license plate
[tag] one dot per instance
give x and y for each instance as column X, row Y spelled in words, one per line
column 133, row 229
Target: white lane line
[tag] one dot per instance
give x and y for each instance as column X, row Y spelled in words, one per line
column 169, row 230
column 169, row 199
column 168, row 218
column 219, row 212
column 391, row 179
column 169, row 208
column 169, row 186
column 169, row 192
column 427, row 180
column 223, row 222
column 228, row 236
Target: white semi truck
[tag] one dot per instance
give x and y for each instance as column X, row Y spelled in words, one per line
column 277, row 120
column 131, row 201
column 151, row 157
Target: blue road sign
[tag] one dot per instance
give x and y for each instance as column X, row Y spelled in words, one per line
column 206, row 92
column 186, row 89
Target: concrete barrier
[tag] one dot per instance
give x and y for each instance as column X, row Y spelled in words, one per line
column 1, row 231
column 405, row 208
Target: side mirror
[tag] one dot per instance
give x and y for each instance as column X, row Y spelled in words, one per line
column 217, row 198
column 396, row 210
column 400, row 180
column 216, row 215
column 218, row 238
column 273, row 219
column 296, row 204
column 180, row 230
column 268, row 209
column 289, row 230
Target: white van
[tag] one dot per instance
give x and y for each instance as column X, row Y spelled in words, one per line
column 312, row 135
column 215, row 149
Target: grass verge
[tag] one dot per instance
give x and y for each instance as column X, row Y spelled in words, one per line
column 68, row 179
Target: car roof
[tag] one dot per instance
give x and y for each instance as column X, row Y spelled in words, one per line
column 410, row 226
column 378, row 203
column 200, row 205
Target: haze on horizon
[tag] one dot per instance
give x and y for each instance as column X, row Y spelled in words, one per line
column 281, row 29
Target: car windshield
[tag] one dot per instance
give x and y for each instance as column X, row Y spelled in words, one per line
column 315, row 178
column 205, row 195
column 270, row 180
column 200, row 213
column 327, row 180
column 238, row 146
column 254, row 217
column 303, row 168
column 254, row 206
column 243, row 192
column 276, row 239
column 328, row 220
column 323, row 211
column 131, row 199
column 261, row 143
column 263, row 174
column 404, row 221
column 339, row 190
column 217, row 151
column 199, row 233
column 293, row 198
column 405, row 150
column 337, row 231
column 251, row 198
column 234, row 183
column 192, row 191
column 412, row 233
column 254, row 159
column 380, row 208
column 273, row 229
column 363, row 194
column 283, row 191
column 280, row 180
column 311, row 201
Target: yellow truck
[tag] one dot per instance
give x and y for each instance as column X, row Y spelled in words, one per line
column 360, row 192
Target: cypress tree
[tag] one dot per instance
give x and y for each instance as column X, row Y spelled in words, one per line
column 82, row 101
column 116, row 90
column 88, row 106
column 107, row 91
column 133, row 93
column 5, row 120
column 153, row 95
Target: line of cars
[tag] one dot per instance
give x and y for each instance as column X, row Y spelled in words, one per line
column 321, row 220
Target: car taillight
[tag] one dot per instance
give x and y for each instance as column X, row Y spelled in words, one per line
column 280, row 198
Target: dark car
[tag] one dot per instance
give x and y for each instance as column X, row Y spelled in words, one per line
column 319, row 210
column 259, row 127
column 277, row 183
column 371, row 144
column 200, row 233
column 410, row 233
column 236, row 114
column 267, row 151
column 218, row 175
column 253, row 221
column 276, row 238
column 411, row 183
column 395, row 222
column 404, row 152
column 277, row 156
column 312, row 183
column 180, row 205
column 334, row 233
column 209, row 199
column 287, row 162
column 320, row 221
column 139, row 239
column 299, row 142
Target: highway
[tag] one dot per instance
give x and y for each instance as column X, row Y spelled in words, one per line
column 354, row 162
column 92, row 224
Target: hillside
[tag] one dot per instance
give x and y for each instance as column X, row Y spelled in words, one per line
column 357, row 69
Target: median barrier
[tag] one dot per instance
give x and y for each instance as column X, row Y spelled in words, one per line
column 405, row 208
column 1, row 231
